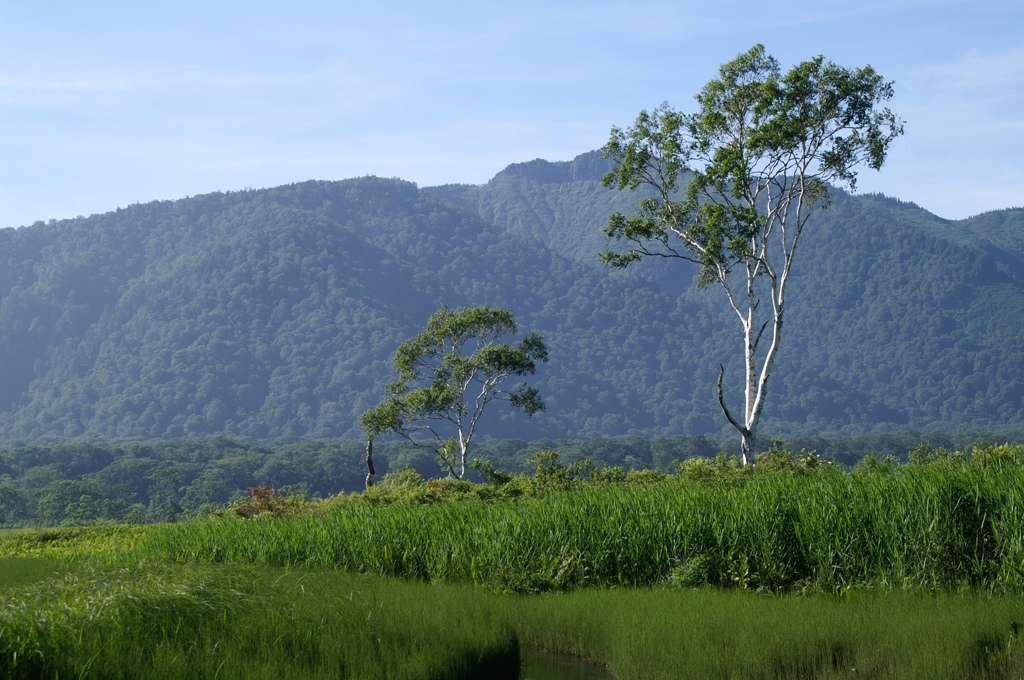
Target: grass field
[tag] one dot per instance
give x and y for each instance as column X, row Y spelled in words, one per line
column 930, row 527
column 227, row 621
column 906, row 572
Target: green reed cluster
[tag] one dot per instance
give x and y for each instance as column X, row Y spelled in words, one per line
column 153, row 621
column 710, row 633
column 189, row 621
column 944, row 522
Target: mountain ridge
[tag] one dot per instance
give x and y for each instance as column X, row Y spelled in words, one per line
column 273, row 313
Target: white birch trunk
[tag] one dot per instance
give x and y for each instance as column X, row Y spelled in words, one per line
column 370, row 472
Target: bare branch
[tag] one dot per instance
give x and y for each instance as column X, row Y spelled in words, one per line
column 721, row 402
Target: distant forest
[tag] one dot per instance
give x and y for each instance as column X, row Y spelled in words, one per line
column 81, row 484
column 274, row 314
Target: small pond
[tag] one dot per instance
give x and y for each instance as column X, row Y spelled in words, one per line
column 539, row 664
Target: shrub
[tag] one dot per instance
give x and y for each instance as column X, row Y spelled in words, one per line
column 264, row 500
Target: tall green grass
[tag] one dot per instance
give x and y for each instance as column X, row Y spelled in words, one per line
column 17, row 571
column 71, row 544
column 929, row 527
column 642, row 634
column 225, row 621
column 228, row 622
column 269, row 596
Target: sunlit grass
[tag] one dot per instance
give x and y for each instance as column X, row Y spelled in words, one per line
column 912, row 572
column 917, row 528
column 230, row 622
column 108, row 543
column 223, row 621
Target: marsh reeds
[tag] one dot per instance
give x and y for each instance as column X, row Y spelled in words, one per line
column 913, row 571
column 916, row 527
column 710, row 633
column 225, row 621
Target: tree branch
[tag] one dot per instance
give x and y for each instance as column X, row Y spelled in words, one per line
column 725, row 409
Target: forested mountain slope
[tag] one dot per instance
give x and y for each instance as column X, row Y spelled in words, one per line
column 274, row 313
column 896, row 317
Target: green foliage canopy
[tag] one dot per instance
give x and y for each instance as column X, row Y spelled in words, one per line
column 759, row 141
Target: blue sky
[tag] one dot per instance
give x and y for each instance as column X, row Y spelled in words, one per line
column 105, row 104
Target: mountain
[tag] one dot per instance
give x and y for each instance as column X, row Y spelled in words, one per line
column 273, row 314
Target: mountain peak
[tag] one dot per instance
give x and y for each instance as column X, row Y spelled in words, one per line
column 590, row 166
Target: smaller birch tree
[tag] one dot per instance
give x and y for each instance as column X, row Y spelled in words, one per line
column 448, row 374
column 736, row 183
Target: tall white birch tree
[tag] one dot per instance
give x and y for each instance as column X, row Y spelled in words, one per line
column 736, row 183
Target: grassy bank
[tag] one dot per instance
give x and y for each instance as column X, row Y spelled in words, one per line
column 651, row 633
column 793, row 570
column 946, row 525
column 159, row 621
column 223, row 621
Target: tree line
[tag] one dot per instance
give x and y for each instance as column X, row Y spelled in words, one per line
column 86, row 483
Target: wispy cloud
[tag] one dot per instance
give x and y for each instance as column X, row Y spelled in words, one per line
column 123, row 100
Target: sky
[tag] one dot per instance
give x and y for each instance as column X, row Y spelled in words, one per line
column 106, row 104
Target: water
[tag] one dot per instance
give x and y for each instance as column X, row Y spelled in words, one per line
column 541, row 664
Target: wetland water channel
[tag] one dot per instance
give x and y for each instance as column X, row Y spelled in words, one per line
column 540, row 664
